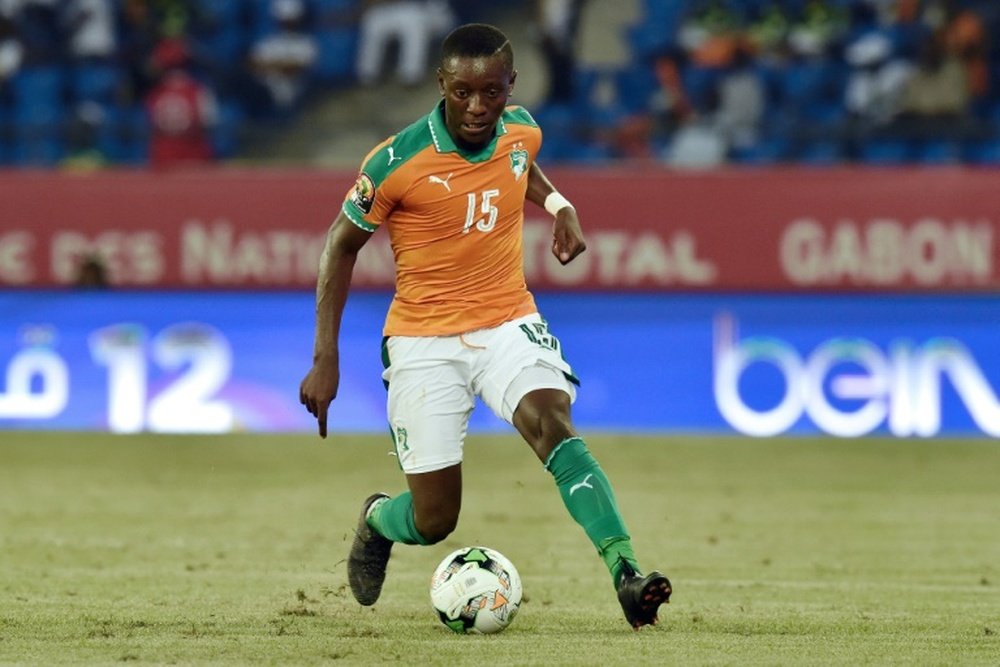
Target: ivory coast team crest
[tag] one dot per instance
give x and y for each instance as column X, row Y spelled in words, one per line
column 518, row 162
column 364, row 193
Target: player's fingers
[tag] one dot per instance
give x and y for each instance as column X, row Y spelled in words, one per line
column 566, row 252
column 321, row 419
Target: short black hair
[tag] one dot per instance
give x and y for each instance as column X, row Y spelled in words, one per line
column 476, row 40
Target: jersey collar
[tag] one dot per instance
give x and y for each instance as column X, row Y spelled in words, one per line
column 445, row 144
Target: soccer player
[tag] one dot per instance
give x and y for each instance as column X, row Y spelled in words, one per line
column 450, row 190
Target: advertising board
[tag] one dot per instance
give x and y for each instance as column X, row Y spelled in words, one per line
column 856, row 230
column 761, row 365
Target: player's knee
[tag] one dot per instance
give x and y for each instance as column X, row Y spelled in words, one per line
column 544, row 415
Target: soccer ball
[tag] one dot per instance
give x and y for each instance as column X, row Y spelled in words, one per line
column 476, row 590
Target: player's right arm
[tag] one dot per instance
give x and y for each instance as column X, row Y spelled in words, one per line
column 344, row 240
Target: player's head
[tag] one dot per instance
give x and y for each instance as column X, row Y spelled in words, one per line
column 476, row 77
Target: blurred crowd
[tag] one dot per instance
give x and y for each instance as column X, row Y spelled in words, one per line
column 166, row 82
column 706, row 82
column 817, row 81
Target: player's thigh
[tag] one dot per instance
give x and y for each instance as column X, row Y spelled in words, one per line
column 523, row 356
column 429, row 402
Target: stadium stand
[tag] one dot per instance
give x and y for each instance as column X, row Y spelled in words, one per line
column 749, row 82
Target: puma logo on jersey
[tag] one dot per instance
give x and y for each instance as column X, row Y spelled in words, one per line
column 585, row 484
column 443, row 181
column 392, row 156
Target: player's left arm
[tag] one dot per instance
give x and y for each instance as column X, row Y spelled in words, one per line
column 567, row 235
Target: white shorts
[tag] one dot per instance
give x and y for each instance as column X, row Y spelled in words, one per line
column 433, row 382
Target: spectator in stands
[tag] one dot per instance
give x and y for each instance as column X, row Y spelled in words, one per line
column 92, row 273
column 637, row 134
column 730, row 121
column 815, row 32
column 742, row 101
column 182, row 110
column 90, row 29
column 966, row 38
column 40, row 29
column 11, row 54
column 82, row 129
column 138, row 34
column 558, row 24
column 935, row 99
column 412, row 24
column 283, row 61
column 876, row 80
column 767, row 33
column 710, row 35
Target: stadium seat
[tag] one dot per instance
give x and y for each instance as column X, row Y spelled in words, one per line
column 982, row 152
column 635, row 86
column 700, row 84
column 40, row 146
column 124, row 136
column 938, row 151
column 885, row 151
column 803, row 84
column 821, row 153
column 646, row 40
column 226, row 134
column 5, row 137
column 767, row 151
column 95, row 82
column 326, row 6
column 337, row 50
column 38, row 92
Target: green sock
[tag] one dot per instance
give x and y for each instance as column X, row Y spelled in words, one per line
column 588, row 496
column 394, row 520
column 614, row 550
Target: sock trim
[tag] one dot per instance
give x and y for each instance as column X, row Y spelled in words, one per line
column 552, row 456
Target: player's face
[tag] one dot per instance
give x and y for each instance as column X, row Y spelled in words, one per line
column 475, row 92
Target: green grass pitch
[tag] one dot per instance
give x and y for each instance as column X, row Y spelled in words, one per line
column 230, row 550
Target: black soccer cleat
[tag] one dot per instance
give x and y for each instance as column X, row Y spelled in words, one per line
column 368, row 558
column 641, row 596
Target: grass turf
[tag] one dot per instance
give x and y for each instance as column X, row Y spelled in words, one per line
column 229, row 550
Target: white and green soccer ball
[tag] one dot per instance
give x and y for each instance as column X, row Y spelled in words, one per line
column 476, row 590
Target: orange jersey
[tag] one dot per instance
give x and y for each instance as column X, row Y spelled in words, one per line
column 455, row 220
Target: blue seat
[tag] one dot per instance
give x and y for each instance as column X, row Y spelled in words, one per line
column 634, row 86
column 38, row 91
column 124, row 136
column 556, row 148
column 223, row 48
column 701, row 85
column 885, row 152
column 821, row 153
column 221, row 11
column 226, row 135
column 983, row 152
column 337, row 50
column 37, row 147
column 939, row 151
column 96, row 82
column 803, row 84
column 326, row 6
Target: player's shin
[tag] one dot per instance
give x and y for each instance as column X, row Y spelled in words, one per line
column 394, row 519
column 587, row 494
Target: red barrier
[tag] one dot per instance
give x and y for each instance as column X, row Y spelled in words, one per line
column 786, row 229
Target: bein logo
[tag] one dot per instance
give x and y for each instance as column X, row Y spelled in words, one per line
column 849, row 386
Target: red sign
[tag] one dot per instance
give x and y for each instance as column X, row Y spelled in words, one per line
column 786, row 229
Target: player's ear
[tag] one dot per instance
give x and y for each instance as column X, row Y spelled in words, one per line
column 510, row 84
column 440, row 78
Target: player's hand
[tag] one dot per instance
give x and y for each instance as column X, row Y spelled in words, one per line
column 567, row 237
column 318, row 389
